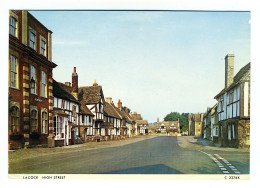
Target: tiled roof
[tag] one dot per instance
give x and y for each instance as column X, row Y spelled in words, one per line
column 124, row 114
column 110, row 111
column 241, row 73
column 141, row 122
column 84, row 109
column 62, row 91
column 136, row 116
column 90, row 94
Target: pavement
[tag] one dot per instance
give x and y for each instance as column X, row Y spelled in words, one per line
column 197, row 142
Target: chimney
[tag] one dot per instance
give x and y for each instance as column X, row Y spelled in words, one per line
column 95, row 83
column 109, row 100
column 119, row 104
column 158, row 120
column 75, row 83
column 229, row 69
column 126, row 110
column 67, row 83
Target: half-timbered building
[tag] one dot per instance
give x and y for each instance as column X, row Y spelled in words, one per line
column 66, row 115
column 234, row 106
column 93, row 98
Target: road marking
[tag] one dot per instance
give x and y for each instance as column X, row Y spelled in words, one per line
column 220, row 165
column 228, row 164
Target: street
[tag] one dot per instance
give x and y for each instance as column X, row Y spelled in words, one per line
column 152, row 155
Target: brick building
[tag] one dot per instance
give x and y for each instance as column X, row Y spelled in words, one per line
column 30, row 80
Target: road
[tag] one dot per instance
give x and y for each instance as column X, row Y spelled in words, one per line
column 158, row 155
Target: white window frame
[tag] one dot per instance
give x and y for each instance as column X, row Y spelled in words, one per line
column 15, row 118
column 44, row 85
column 233, row 131
column 32, row 43
column 32, row 129
column 13, row 71
column 33, row 75
column 43, row 49
column 13, row 25
column 44, row 126
column 229, row 132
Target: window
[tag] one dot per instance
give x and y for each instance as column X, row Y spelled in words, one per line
column 13, row 26
column 33, row 78
column 73, row 110
column 44, row 85
column 14, row 113
column 229, row 132
column 13, row 72
column 83, row 118
column 231, row 98
column 32, row 39
column 44, row 122
column 216, row 131
column 58, row 127
column 43, row 47
column 233, row 131
column 34, row 126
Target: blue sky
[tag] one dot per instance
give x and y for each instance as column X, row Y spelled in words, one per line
column 156, row 62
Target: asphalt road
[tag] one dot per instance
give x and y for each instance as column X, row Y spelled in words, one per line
column 159, row 155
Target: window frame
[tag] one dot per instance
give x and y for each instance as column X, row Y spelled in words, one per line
column 14, row 27
column 14, row 72
column 43, row 85
column 44, row 52
column 44, row 122
column 33, row 119
column 34, row 43
column 16, row 117
column 33, row 67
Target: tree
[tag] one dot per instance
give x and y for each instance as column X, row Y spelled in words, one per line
column 174, row 116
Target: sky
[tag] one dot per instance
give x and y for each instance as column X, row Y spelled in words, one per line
column 155, row 62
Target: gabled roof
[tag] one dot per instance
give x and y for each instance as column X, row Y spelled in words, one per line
column 237, row 78
column 84, row 109
column 124, row 115
column 90, row 94
column 141, row 122
column 63, row 91
column 110, row 111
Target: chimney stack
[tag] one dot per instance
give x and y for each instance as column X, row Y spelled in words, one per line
column 119, row 104
column 109, row 100
column 75, row 83
column 229, row 69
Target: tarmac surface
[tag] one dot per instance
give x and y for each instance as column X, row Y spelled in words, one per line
column 137, row 155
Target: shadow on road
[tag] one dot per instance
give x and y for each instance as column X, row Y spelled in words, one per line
column 151, row 169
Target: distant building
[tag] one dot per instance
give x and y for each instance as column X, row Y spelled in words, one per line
column 195, row 122
column 169, row 127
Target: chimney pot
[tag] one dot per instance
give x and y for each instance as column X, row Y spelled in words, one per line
column 74, row 69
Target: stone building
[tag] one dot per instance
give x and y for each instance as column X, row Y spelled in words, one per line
column 30, row 81
column 234, row 106
column 195, row 123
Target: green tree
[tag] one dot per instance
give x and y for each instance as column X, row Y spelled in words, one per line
column 174, row 116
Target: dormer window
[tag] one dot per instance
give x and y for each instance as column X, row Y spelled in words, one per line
column 13, row 26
